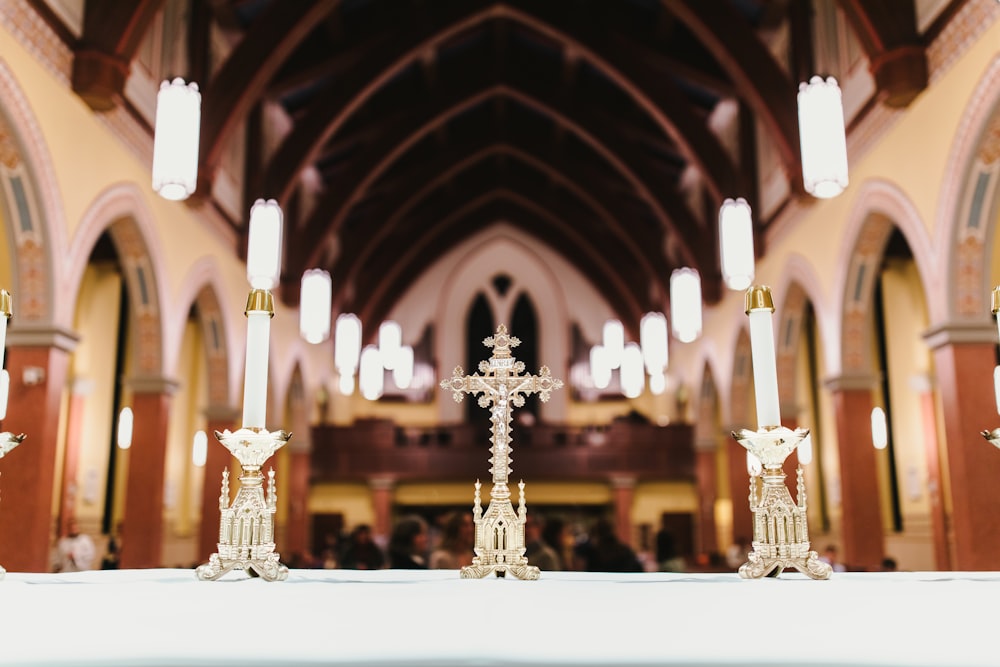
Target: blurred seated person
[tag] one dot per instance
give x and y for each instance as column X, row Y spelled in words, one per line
column 604, row 552
column 538, row 551
column 408, row 544
column 457, row 540
column 362, row 553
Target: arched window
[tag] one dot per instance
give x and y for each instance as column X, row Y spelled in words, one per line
column 478, row 326
column 524, row 325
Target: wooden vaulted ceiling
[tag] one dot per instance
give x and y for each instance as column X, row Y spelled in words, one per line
column 428, row 120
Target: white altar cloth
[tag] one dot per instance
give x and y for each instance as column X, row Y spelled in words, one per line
column 423, row 618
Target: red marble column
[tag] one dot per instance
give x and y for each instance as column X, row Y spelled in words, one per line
column 28, row 473
column 739, row 489
column 861, row 513
column 142, row 526
column 623, row 493
column 217, row 459
column 963, row 361
column 297, row 533
column 382, row 492
column 939, row 520
column 705, row 472
column 71, row 457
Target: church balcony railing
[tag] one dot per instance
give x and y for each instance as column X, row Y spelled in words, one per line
column 373, row 447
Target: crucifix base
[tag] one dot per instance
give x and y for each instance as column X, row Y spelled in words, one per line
column 500, row 541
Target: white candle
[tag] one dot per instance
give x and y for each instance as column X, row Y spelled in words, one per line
column 255, row 381
column 6, row 309
column 996, row 386
column 765, row 368
column 4, row 392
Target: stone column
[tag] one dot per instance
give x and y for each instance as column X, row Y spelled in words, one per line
column 297, row 495
column 623, row 493
column 80, row 389
column 142, row 525
column 964, row 357
column 382, row 494
column 38, row 364
column 932, row 455
column 217, row 459
column 739, row 486
column 861, row 513
column 705, row 471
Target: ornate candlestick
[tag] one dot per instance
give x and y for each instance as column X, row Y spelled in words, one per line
column 246, row 528
column 994, row 436
column 500, row 531
column 8, row 441
column 780, row 530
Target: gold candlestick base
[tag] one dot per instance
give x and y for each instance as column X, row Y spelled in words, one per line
column 246, row 528
column 8, row 441
column 780, row 530
column 500, row 537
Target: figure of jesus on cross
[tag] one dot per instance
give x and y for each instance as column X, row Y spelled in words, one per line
column 500, row 531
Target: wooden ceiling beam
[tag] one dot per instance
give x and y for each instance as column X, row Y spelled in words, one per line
column 112, row 32
column 897, row 57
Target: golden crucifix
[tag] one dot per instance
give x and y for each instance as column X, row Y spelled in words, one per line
column 500, row 531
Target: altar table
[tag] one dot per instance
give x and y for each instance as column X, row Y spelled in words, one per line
column 423, row 618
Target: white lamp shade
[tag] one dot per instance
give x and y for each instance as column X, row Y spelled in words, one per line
column 346, row 384
column 176, row 132
column 822, row 137
column 314, row 305
column 370, row 374
column 390, row 339
column 736, row 243
column 633, row 375
column 125, row 428
column 199, row 449
column 402, row 372
column 685, row 304
column 657, row 383
column 347, row 344
column 880, row 431
column 613, row 342
column 264, row 249
column 600, row 367
column 653, row 339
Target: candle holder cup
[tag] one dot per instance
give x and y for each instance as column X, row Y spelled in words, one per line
column 780, row 527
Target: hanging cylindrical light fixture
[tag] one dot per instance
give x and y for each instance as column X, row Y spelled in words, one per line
column 199, row 449
column 125, row 428
column 347, row 344
column 600, row 367
column 390, row 339
column 370, row 373
column 402, row 372
column 736, row 243
column 822, row 137
column 176, row 131
column 880, row 430
column 633, row 376
column 613, row 340
column 685, row 304
column 653, row 339
column 264, row 248
column 314, row 305
column 346, row 383
column 657, row 383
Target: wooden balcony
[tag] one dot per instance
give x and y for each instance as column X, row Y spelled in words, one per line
column 371, row 448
